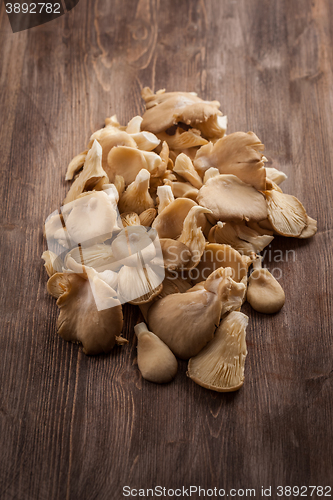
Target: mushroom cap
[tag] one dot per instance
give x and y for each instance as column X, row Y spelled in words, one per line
column 140, row 284
column 90, row 218
column 220, row 365
column 217, row 256
column 79, row 319
column 310, row 228
column 169, row 223
column 285, row 213
column 155, row 360
column 130, row 242
column 237, row 154
column 99, row 257
column 264, row 292
column 147, row 217
column 175, row 254
column 137, row 198
column 183, row 139
column 275, row 175
column 230, row 199
column 128, row 162
column 165, row 109
column 187, row 321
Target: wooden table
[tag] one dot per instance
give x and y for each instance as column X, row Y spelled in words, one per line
column 79, row 427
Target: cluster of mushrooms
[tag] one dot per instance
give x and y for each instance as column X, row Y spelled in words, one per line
column 169, row 213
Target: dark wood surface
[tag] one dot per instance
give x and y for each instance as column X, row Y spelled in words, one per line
column 76, row 427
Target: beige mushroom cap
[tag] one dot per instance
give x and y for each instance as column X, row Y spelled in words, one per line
column 230, row 199
column 137, row 198
column 80, row 321
column 165, row 109
column 220, row 365
column 237, row 154
column 155, row 360
column 187, row 321
column 175, row 254
column 169, row 223
column 264, row 292
column 285, row 213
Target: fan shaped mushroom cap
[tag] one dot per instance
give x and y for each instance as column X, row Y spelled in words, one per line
column 155, row 360
column 169, row 223
column 264, row 292
column 140, row 284
column 175, row 254
column 187, row 321
column 90, row 217
column 220, row 365
column 184, row 190
column 80, row 320
column 183, row 139
column 221, row 256
column 192, row 235
column 237, row 154
column 285, row 213
column 165, row 109
column 184, row 168
column 130, row 242
column 214, row 128
column 128, row 162
column 91, row 174
column 241, row 237
column 136, row 198
column 146, row 141
column 231, row 199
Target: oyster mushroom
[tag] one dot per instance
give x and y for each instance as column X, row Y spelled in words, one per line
column 128, row 162
column 140, row 284
column 184, row 190
column 146, row 141
column 90, row 218
column 134, row 125
column 187, row 321
column 264, row 292
column 214, row 128
column 165, row 109
column 230, row 199
column 310, row 228
column 52, row 262
column 155, row 360
column 241, row 237
column 211, row 172
column 220, row 365
column 136, row 198
column 183, row 139
column 91, row 174
column 175, row 254
column 192, row 235
column 285, row 213
column 165, row 197
column 79, row 319
column 184, row 168
column 169, row 223
column 98, row 256
column 130, row 219
column 224, row 256
column 75, row 165
column 236, row 154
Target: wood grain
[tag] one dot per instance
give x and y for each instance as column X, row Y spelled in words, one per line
column 76, row 427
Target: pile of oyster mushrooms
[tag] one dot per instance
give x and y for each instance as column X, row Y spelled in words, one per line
column 170, row 213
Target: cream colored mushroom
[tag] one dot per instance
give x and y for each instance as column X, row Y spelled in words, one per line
column 241, row 237
column 310, row 228
column 128, row 162
column 146, row 141
column 214, row 128
column 184, row 168
column 175, row 254
column 165, row 109
column 220, row 365
column 165, row 197
column 155, row 360
column 98, row 256
column 80, row 320
column 230, row 199
column 285, row 213
column 130, row 219
column 192, row 235
column 183, row 139
column 187, row 321
column 90, row 218
column 133, row 245
column 210, row 173
column 236, row 154
column 136, row 198
column 216, row 256
column 52, row 262
column 139, row 284
column 169, row 224
column 91, row 174
column 134, row 125
column 264, row 292
column 75, row 165
column 184, row 190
